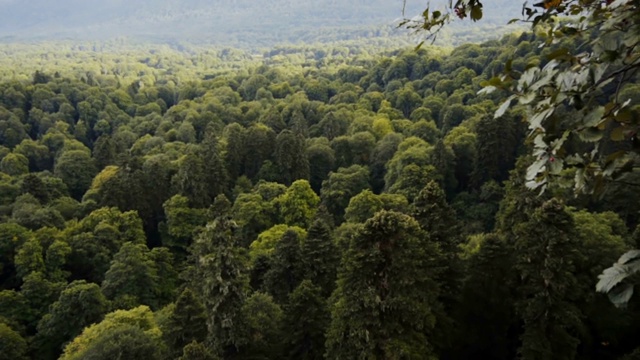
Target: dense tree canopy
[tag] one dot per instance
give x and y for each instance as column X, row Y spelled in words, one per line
column 339, row 201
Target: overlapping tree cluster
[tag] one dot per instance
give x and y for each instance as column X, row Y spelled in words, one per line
column 327, row 203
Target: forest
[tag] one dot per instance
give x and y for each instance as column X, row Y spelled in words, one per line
column 342, row 200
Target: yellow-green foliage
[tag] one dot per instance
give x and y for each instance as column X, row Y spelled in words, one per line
column 267, row 240
column 141, row 317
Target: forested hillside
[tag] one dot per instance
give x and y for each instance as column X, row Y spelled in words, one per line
column 330, row 201
column 240, row 22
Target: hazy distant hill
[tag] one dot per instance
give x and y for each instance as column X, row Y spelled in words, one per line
column 216, row 21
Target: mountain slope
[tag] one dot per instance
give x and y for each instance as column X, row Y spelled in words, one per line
column 201, row 20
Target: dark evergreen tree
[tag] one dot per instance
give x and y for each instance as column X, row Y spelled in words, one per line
column 321, row 162
column 435, row 216
column 216, row 178
column 286, row 269
column 438, row 219
column 320, row 257
column 234, row 139
column 487, row 325
column 496, row 148
column 164, row 265
column 260, row 266
column 383, row 307
column 220, row 277
column 546, row 253
column 187, row 323
column 291, row 157
column 259, row 146
column 191, row 179
column 261, row 328
column 443, row 159
column 306, row 321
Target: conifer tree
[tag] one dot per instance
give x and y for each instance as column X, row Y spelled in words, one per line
column 291, row 157
column 163, row 263
column 215, row 173
column 383, row 307
column 438, row 219
column 285, row 271
column 187, row 323
column 320, row 257
column 443, row 158
column 191, row 179
column 221, row 279
column 547, row 251
column 486, row 313
column 234, row 139
column 496, row 146
column 261, row 328
column 306, row 320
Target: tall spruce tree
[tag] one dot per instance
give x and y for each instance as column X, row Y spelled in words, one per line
column 187, row 323
column 220, row 276
column 547, row 251
column 215, row 172
column 320, row 257
column 285, row 271
column 438, row 219
column 291, row 157
column 487, row 325
column 191, row 179
column 383, row 307
column 435, row 216
column 306, row 321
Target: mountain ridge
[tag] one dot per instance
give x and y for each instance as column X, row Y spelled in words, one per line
column 200, row 20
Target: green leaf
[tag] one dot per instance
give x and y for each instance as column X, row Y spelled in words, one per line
column 539, row 142
column 487, row 90
column 560, row 53
column 556, row 166
column 618, row 134
column 615, row 156
column 624, row 116
column 527, row 98
column 611, row 279
column 503, row 108
column 621, row 295
column 629, row 256
column 476, row 13
column 536, row 168
column 508, row 66
column 594, row 117
column 591, row 135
